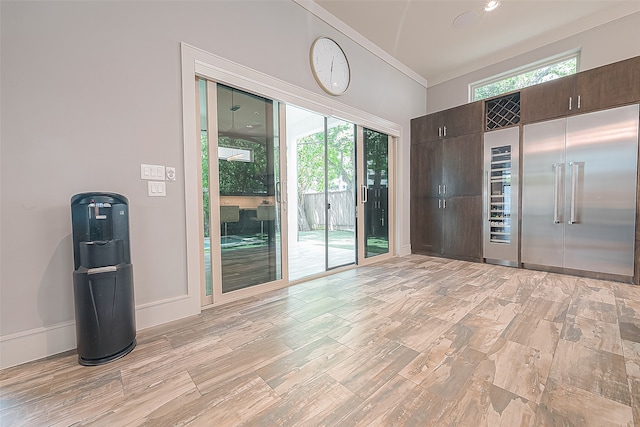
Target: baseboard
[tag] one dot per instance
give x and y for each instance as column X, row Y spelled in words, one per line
column 37, row 343
column 168, row 310
column 405, row 250
column 26, row 346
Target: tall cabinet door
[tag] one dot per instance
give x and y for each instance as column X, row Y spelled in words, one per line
column 543, row 170
column 426, row 204
column 602, row 153
column 427, row 225
column 426, row 169
column 462, row 225
column 462, row 166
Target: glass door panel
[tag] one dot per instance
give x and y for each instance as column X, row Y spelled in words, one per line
column 305, row 192
column 321, row 177
column 206, row 211
column 500, row 195
column 340, row 186
column 247, row 176
column 375, row 193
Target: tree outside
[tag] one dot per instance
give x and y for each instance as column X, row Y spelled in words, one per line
column 340, row 166
column 530, row 78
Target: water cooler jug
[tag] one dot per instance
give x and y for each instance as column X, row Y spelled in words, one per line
column 102, row 278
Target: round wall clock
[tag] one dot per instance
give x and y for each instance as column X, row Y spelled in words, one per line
column 329, row 66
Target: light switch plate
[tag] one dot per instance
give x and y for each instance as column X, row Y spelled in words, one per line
column 157, row 189
column 155, row 172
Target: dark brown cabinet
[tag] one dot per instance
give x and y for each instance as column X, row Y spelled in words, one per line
column 426, row 169
column 446, row 183
column 426, row 225
column 462, row 120
column 608, row 86
column 448, row 167
column 546, row 100
column 453, row 122
column 427, row 128
column 462, row 166
column 462, row 228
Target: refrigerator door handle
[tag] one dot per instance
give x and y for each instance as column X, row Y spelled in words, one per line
column 489, row 196
column 556, row 190
column 574, row 187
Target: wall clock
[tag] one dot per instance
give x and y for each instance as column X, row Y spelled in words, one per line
column 329, row 66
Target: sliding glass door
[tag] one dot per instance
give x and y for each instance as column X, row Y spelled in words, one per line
column 340, row 192
column 240, row 179
column 321, row 182
column 276, row 211
column 375, row 193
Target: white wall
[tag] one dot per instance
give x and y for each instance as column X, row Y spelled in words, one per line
column 90, row 90
column 611, row 42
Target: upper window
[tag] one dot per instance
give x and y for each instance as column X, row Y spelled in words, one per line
column 523, row 77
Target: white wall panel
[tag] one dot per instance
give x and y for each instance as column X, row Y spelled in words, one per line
column 90, row 90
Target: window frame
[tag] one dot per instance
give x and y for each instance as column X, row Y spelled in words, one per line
column 556, row 59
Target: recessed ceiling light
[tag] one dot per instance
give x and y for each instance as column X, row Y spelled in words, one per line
column 465, row 20
column 491, row 5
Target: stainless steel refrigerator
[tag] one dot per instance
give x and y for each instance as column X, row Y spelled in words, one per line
column 579, row 186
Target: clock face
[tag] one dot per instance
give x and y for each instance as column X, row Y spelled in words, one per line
column 330, row 66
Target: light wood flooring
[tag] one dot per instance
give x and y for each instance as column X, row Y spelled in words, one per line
column 416, row 341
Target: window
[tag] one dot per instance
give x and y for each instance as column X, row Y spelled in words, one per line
column 530, row 75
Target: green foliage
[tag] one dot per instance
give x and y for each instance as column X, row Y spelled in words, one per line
column 340, row 159
column 529, row 78
column 376, row 147
column 204, row 156
column 244, row 178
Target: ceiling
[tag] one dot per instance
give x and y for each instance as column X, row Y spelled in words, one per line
column 421, row 35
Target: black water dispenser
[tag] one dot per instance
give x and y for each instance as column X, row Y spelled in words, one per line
column 102, row 277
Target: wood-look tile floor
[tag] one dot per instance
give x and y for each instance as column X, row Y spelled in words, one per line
column 416, row 341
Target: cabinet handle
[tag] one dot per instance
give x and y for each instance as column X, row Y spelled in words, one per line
column 439, row 203
column 444, row 204
column 439, row 189
column 556, row 219
column 444, row 188
column 439, row 132
column 574, row 187
column 489, row 196
column 445, row 131
column 578, row 102
column 570, row 102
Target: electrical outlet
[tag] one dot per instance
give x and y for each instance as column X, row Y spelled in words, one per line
column 170, row 173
